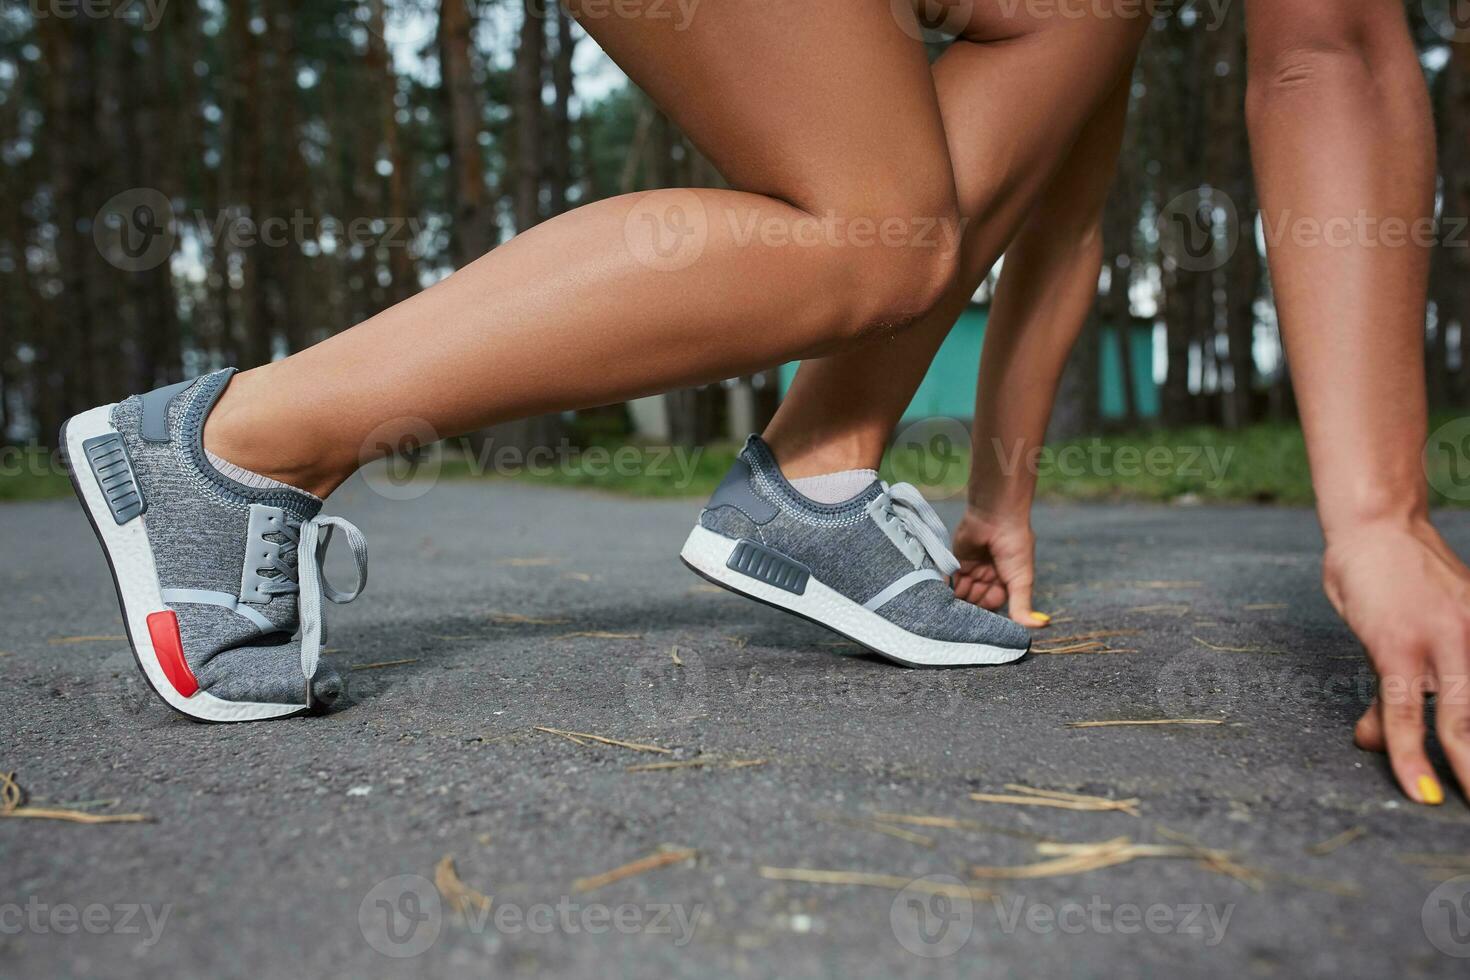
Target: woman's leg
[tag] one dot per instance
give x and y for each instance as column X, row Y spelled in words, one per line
column 898, row 601
column 1046, row 291
column 1343, row 145
column 822, row 114
column 1037, row 81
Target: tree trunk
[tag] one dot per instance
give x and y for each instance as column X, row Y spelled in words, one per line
column 290, row 184
column 529, row 170
column 473, row 214
column 530, row 59
column 1180, row 138
column 159, row 353
column 638, row 147
column 254, row 318
column 364, row 191
column 18, row 314
column 1076, row 411
column 401, row 277
column 1179, row 334
column 559, row 148
column 1228, row 167
column 1243, row 285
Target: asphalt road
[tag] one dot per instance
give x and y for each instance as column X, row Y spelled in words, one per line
column 277, row 850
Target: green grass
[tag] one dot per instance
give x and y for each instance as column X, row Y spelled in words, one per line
column 27, row 473
column 1260, row 464
column 622, row 468
column 1264, row 464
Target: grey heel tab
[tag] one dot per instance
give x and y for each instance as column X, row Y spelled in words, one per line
column 154, row 425
column 155, row 404
column 735, row 491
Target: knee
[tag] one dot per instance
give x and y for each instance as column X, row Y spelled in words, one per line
column 1310, row 65
column 1294, row 74
column 881, row 248
column 1321, row 50
column 898, row 267
column 909, row 280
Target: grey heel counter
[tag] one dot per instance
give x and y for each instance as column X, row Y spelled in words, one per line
column 736, row 491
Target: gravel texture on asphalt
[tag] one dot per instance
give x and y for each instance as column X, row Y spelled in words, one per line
column 309, row 847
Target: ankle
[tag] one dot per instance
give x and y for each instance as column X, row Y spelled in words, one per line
column 801, row 456
column 243, row 430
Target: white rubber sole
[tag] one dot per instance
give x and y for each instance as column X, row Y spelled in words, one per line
column 136, row 578
column 708, row 554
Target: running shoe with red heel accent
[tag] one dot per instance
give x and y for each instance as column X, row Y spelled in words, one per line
column 220, row 583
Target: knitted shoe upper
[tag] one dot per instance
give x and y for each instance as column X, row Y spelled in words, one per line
column 230, row 579
column 859, row 548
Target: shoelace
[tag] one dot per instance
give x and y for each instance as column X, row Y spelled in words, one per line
column 305, row 575
column 920, row 521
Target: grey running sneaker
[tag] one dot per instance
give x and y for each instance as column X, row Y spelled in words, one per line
column 874, row 569
column 213, row 576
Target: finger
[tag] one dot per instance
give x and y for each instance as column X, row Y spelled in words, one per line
column 1019, row 606
column 1020, row 609
column 975, row 593
column 1452, row 721
column 1015, row 569
column 967, row 588
column 1403, row 728
column 969, row 582
column 994, row 597
column 1368, row 734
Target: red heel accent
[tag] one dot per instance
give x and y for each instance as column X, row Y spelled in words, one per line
column 163, row 629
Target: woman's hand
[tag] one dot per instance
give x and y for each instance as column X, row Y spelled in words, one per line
column 1407, row 597
column 997, row 565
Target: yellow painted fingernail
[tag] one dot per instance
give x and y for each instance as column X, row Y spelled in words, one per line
column 1040, row 617
column 1429, row 789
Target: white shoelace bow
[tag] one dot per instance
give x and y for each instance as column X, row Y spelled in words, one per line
column 920, row 521
column 307, row 577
